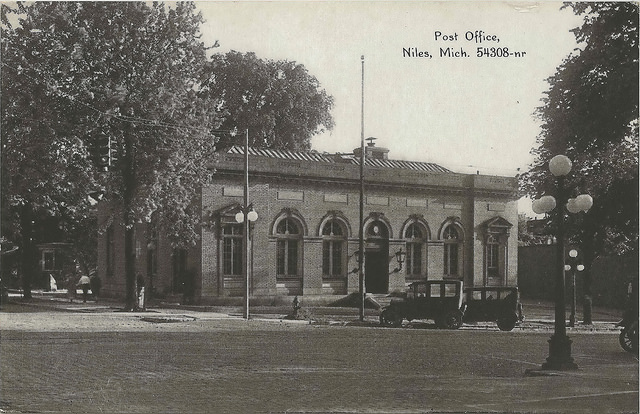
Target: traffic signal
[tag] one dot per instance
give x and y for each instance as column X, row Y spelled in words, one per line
column 113, row 153
column 103, row 152
column 99, row 152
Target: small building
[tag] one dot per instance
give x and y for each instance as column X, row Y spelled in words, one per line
column 55, row 262
column 305, row 240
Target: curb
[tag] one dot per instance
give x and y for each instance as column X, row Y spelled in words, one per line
column 340, row 319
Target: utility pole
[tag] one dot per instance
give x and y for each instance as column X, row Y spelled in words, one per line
column 245, row 234
column 361, row 226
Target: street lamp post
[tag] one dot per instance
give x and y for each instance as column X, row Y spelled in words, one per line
column 246, row 215
column 560, row 344
column 573, row 267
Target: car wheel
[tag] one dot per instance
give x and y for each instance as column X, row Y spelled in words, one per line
column 451, row 320
column 507, row 323
column 629, row 338
column 390, row 318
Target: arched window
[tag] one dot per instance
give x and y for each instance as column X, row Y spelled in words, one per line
column 415, row 244
column 452, row 245
column 232, row 241
column 333, row 245
column 288, row 247
column 377, row 230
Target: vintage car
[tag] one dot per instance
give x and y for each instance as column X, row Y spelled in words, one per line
column 440, row 300
column 494, row 304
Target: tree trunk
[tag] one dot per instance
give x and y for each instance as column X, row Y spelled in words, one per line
column 27, row 254
column 129, row 184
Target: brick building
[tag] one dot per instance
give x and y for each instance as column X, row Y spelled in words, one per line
column 305, row 240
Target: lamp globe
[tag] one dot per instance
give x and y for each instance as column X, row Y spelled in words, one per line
column 536, row 207
column 560, row 165
column 547, row 203
column 584, row 202
column 572, row 206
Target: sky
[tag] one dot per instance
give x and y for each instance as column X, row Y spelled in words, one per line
column 470, row 114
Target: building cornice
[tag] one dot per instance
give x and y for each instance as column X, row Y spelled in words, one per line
column 319, row 173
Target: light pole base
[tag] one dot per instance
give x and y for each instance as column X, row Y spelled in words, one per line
column 560, row 355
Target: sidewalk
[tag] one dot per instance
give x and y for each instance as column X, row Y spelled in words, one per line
column 539, row 315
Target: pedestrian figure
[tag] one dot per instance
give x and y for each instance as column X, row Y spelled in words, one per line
column 85, row 285
column 140, row 287
column 296, row 307
column 632, row 303
column 70, row 284
column 53, row 285
column 96, row 284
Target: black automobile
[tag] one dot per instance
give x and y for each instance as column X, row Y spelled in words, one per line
column 440, row 300
column 493, row 304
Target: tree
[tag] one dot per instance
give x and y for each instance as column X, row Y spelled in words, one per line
column 119, row 101
column 44, row 168
column 280, row 103
column 86, row 71
column 590, row 114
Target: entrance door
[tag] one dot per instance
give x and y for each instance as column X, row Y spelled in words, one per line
column 376, row 264
column 376, row 271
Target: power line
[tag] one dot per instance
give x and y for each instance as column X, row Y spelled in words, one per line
column 124, row 118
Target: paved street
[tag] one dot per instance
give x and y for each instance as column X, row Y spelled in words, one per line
column 168, row 361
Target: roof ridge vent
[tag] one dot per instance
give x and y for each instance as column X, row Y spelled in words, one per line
column 372, row 152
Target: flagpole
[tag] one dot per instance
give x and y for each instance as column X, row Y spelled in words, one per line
column 361, row 227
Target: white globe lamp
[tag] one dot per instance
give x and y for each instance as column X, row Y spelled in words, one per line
column 584, row 202
column 572, row 206
column 547, row 203
column 252, row 215
column 560, row 165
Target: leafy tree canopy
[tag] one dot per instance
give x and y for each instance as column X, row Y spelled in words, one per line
column 119, row 100
column 281, row 104
column 590, row 114
column 80, row 77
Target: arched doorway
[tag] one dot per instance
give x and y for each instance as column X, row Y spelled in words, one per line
column 377, row 258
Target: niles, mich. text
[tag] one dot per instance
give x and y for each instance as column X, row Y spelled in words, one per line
column 465, row 44
column 414, row 52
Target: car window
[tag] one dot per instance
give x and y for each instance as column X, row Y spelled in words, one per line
column 435, row 291
column 477, row 295
column 450, row 290
column 420, row 290
column 492, row 294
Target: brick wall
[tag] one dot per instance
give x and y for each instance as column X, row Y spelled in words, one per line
column 313, row 201
column 314, row 191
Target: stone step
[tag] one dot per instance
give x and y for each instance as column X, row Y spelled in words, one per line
column 382, row 299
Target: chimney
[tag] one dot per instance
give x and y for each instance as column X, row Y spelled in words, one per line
column 373, row 152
